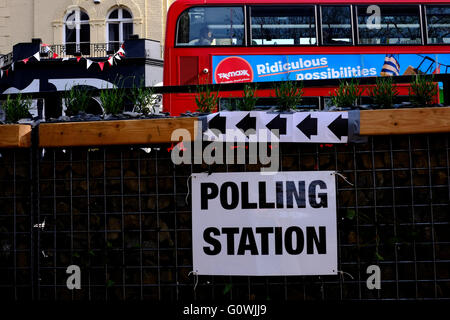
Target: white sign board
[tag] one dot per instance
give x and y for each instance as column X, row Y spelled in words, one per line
column 245, row 223
column 304, row 127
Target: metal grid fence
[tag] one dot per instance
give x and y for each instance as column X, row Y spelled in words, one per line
column 16, row 226
column 123, row 215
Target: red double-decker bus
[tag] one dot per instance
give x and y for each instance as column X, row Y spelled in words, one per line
column 229, row 41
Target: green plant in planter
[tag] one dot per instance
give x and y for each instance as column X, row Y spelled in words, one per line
column 422, row 91
column 384, row 92
column 76, row 99
column 289, row 95
column 16, row 108
column 112, row 100
column 144, row 100
column 248, row 101
column 206, row 99
column 347, row 94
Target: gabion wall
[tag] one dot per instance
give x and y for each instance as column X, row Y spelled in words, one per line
column 122, row 214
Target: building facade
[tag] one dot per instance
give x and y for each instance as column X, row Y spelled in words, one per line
column 78, row 23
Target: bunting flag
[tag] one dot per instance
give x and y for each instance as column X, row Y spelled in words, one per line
column 46, row 48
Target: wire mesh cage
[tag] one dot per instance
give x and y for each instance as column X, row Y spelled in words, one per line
column 123, row 215
column 16, row 226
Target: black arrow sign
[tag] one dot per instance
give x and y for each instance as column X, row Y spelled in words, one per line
column 308, row 126
column 339, row 127
column 277, row 123
column 218, row 123
column 247, row 123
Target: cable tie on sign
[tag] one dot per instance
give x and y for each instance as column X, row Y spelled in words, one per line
column 342, row 273
column 189, row 191
column 195, row 278
column 343, row 177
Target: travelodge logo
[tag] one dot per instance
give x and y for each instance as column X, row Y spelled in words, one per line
column 233, row 69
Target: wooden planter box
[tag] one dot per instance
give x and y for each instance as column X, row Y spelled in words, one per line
column 117, row 132
column 148, row 131
column 15, row 136
column 404, row 121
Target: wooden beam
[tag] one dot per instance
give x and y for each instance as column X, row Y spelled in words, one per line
column 15, row 136
column 404, row 121
column 117, row 132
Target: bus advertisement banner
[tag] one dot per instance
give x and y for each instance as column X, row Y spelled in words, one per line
column 259, row 68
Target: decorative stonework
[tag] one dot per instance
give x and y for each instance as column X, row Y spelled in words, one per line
column 46, row 20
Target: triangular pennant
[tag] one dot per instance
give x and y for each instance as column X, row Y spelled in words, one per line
column 101, row 64
column 12, row 66
column 117, row 56
column 78, row 59
column 7, row 71
column 121, row 51
column 1, row 74
column 37, row 55
column 25, row 60
column 88, row 63
column 65, row 59
column 55, row 55
column 111, row 60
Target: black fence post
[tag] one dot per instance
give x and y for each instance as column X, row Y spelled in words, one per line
column 446, row 88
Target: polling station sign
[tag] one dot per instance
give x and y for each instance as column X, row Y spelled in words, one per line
column 245, row 223
column 259, row 68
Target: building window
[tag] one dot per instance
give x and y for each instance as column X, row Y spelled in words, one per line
column 119, row 28
column 77, row 32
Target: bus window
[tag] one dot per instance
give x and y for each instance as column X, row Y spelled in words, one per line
column 394, row 25
column 283, row 25
column 438, row 21
column 336, row 25
column 205, row 26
